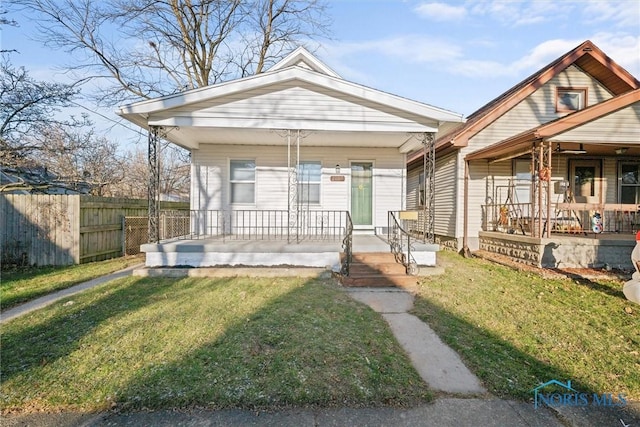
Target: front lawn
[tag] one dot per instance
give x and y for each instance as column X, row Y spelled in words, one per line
column 517, row 330
column 178, row 343
column 20, row 285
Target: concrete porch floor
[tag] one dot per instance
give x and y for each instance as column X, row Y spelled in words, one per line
column 360, row 242
column 212, row 252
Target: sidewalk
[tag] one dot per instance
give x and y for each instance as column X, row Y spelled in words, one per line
column 46, row 300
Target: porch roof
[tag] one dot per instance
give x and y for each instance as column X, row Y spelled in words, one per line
column 299, row 93
column 599, row 135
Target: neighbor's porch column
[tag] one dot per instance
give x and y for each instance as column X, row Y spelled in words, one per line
column 541, row 186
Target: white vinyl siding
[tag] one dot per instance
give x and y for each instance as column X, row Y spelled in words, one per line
column 294, row 102
column 210, row 177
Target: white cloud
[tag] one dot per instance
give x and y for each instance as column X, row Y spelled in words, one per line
column 622, row 48
column 441, row 11
column 535, row 59
column 621, row 14
column 543, row 54
column 521, row 13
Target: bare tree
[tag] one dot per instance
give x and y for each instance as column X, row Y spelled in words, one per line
column 148, row 48
column 174, row 175
column 81, row 157
column 27, row 109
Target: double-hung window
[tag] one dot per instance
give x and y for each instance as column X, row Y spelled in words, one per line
column 242, row 178
column 309, row 177
column 630, row 183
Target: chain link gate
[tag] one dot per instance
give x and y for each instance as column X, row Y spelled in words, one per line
column 136, row 229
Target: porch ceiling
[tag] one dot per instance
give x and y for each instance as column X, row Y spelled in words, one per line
column 194, row 137
column 524, row 148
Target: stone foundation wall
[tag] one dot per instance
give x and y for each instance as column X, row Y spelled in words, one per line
column 561, row 251
column 448, row 242
column 521, row 248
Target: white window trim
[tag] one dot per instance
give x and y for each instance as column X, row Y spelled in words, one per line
column 300, row 182
column 582, row 91
column 254, row 182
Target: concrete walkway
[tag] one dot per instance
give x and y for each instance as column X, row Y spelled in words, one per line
column 438, row 365
column 46, row 300
column 442, row 369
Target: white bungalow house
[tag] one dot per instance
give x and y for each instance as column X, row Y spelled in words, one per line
column 292, row 156
column 548, row 172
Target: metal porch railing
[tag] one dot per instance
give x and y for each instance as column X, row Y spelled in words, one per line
column 400, row 241
column 347, row 245
column 327, row 225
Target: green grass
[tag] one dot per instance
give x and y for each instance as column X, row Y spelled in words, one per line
column 517, row 330
column 20, row 285
column 214, row 343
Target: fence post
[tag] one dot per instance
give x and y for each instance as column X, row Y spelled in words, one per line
column 124, row 236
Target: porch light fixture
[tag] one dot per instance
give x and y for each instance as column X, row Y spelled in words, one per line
column 581, row 150
column 620, row 151
column 337, row 169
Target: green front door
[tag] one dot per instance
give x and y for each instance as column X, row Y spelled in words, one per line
column 361, row 193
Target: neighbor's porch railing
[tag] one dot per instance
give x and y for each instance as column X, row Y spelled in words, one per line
column 269, row 225
column 566, row 218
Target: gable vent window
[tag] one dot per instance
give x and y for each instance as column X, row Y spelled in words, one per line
column 570, row 99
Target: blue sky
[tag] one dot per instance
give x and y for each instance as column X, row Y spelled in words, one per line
column 456, row 55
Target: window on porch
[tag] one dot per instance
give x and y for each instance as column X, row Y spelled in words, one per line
column 629, row 174
column 309, row 177
column 242, row 178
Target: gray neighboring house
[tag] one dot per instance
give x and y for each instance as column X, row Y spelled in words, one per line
column 547, row 173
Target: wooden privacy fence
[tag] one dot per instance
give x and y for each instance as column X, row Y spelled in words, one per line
column 65, row 229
